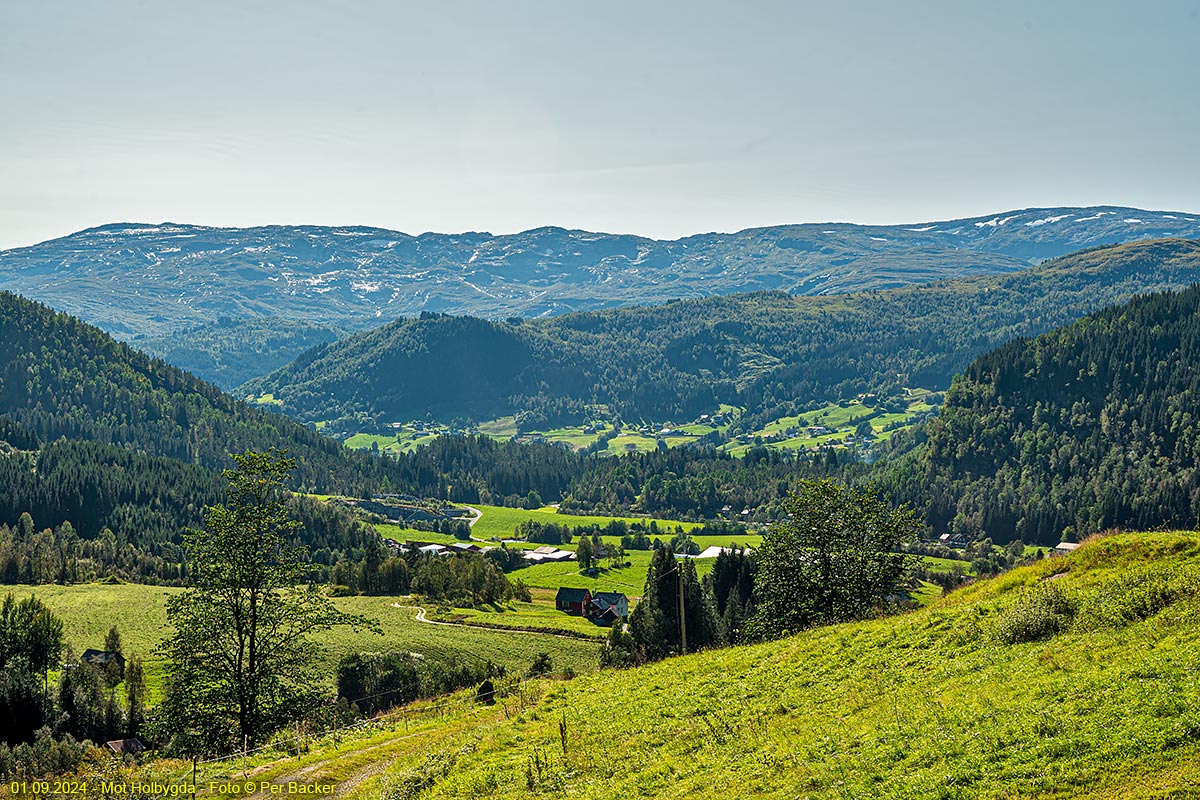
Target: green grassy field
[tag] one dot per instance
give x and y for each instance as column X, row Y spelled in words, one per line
column 947, row 564
column 934, row 703
column 266, row 399
column 630, row 581
column 541, row 614
column 399, row 533
column 502, row 428
column 139, row 613
column 401, row 632
column 840, row 418
column 499, row 522
column 785, row 433
column 403, row 442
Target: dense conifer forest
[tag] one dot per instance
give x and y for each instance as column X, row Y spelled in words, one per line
column 62, row 378
column 1090, row 427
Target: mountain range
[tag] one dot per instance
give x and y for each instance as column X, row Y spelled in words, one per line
column 230, row 304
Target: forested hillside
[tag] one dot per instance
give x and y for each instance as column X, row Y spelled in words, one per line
column 76, row 511
column 1093, row 426
column 107, row 456
column 62, row 378
column 769, row 352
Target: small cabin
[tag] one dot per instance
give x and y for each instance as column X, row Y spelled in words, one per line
column 102, row 658
column 126, row 746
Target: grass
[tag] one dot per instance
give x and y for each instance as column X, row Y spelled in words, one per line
column 541, row 614
column 398, row 533
column 267, row 399
column 840, row 418
column 403, row 442
column 139, row 613
column 499, row 522
column 929, row 704
column 630, row 581
column 89, row 610
column 502, row 428
column 631, row 443
column 947, row 564
column 401, row 632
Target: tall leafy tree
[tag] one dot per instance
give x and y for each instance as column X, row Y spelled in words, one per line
column 240, row 655
column 837, row 557
column 583, row 553
column 31, row 640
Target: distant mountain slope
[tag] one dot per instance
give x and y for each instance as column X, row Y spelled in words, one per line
column 230, row 352
column 155, row 280
column 60, row 377
column 769, row 352
column 1093, row 426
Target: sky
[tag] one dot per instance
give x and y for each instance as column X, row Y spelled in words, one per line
column 657, row 118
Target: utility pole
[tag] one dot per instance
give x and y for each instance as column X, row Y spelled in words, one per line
column 682, row 616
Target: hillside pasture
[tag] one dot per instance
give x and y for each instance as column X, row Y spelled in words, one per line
column 139, row 612
column 934, row 703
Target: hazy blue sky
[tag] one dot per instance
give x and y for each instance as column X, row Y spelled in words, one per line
column 658, row 118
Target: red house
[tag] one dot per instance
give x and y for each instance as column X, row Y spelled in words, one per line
column 572, row 601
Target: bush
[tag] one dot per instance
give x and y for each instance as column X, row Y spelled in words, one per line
column 542, row 665
column 1044, row 612
column 521, row 592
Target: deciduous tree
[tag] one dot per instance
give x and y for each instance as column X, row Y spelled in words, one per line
column 837, row 557
column 240, row 655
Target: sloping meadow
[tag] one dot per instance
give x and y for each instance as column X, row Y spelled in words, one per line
column 1074, row 677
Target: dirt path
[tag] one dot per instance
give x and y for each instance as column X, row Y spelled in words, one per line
column 310, row 772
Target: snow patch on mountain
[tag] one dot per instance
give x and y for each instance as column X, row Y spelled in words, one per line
column 1047, row 220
